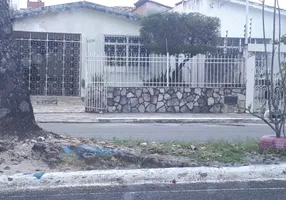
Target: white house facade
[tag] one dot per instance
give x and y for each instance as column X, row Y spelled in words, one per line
column 52, row 43
column 88, row 50
column 232, row 14
column 56, row 42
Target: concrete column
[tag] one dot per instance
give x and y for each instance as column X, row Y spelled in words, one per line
column 250, row 81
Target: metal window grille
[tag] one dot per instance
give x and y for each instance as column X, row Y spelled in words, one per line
column 261, row 93
column 235, row 46
column 50, row 62
column 123, row 50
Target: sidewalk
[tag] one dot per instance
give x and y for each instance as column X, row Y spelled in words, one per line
column 71, row 110
column 144, row 118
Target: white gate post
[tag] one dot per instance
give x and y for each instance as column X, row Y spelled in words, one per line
column 250, row 81
column 168, row 69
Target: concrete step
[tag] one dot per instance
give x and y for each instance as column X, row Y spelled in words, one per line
column 44, row 100
column 56, row 100
column 56, row 104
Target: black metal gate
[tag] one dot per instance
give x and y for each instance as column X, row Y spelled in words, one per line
column 50, row 62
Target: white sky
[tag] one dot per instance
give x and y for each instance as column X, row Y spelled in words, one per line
column 23, row 3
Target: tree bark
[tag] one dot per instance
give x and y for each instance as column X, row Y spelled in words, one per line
column 16, row 112
column 177, row 74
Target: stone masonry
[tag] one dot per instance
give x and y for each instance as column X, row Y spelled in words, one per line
column 172, row 100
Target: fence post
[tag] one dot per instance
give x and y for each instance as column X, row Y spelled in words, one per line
column 250, row 81
column 168, row 69
column 86, row 69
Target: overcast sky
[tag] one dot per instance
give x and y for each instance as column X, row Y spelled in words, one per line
column 126, row 2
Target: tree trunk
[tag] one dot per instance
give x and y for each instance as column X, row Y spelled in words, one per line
column 177, row 74
column 16, row 112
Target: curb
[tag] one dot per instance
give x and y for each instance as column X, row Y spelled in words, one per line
column 142, row 176
column 158, row 120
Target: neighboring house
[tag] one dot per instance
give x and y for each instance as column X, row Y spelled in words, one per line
column 52, row 42
column 232, row 14
column 124, row 8
column 148, row 7
column 35, row 4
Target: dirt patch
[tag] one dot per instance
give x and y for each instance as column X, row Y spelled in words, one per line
column 60, row 153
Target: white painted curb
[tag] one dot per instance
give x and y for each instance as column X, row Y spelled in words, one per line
column 143, row 176
column 154, row 120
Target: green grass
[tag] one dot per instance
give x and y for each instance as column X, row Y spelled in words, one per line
column 127, row 143
column 227, row 152
column 222, row 151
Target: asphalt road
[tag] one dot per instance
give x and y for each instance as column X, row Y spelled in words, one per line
column 219, row 191
column 162, row 132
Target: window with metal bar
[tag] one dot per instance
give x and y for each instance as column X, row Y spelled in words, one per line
column 124, row 51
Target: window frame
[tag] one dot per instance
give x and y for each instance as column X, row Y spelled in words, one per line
column 128, row 58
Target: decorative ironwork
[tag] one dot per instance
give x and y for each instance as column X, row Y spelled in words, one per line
column 124, row 51
column 50, row 62
column 262, row 81
column 235, row 46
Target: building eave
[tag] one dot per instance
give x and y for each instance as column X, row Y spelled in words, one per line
column 251, row 4
column 179, row 3
column 258, row 6
column 20, row 14
column 140, row 3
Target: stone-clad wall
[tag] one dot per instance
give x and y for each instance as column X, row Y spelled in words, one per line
column 172, row 100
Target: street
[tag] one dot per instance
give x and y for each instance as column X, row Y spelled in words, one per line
column 204, row 191
column 162, row 132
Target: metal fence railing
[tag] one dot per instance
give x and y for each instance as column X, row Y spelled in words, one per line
column 262, row 81
column 165, row 70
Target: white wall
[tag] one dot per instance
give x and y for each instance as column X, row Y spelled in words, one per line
column 232, row 16
column 90, row 24
column 15, row 4
column 259, row 48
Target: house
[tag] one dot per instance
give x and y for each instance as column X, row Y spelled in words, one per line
column 35, row 4
column 125, row 8
column 148, row 7
column 145, row 8
column 232, row 14
column 55, row 41
column 52, row 42
column 65, row 49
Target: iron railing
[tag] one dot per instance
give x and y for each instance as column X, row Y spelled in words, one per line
column 166, row 71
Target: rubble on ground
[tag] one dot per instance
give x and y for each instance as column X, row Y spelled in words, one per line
column 63, row 153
